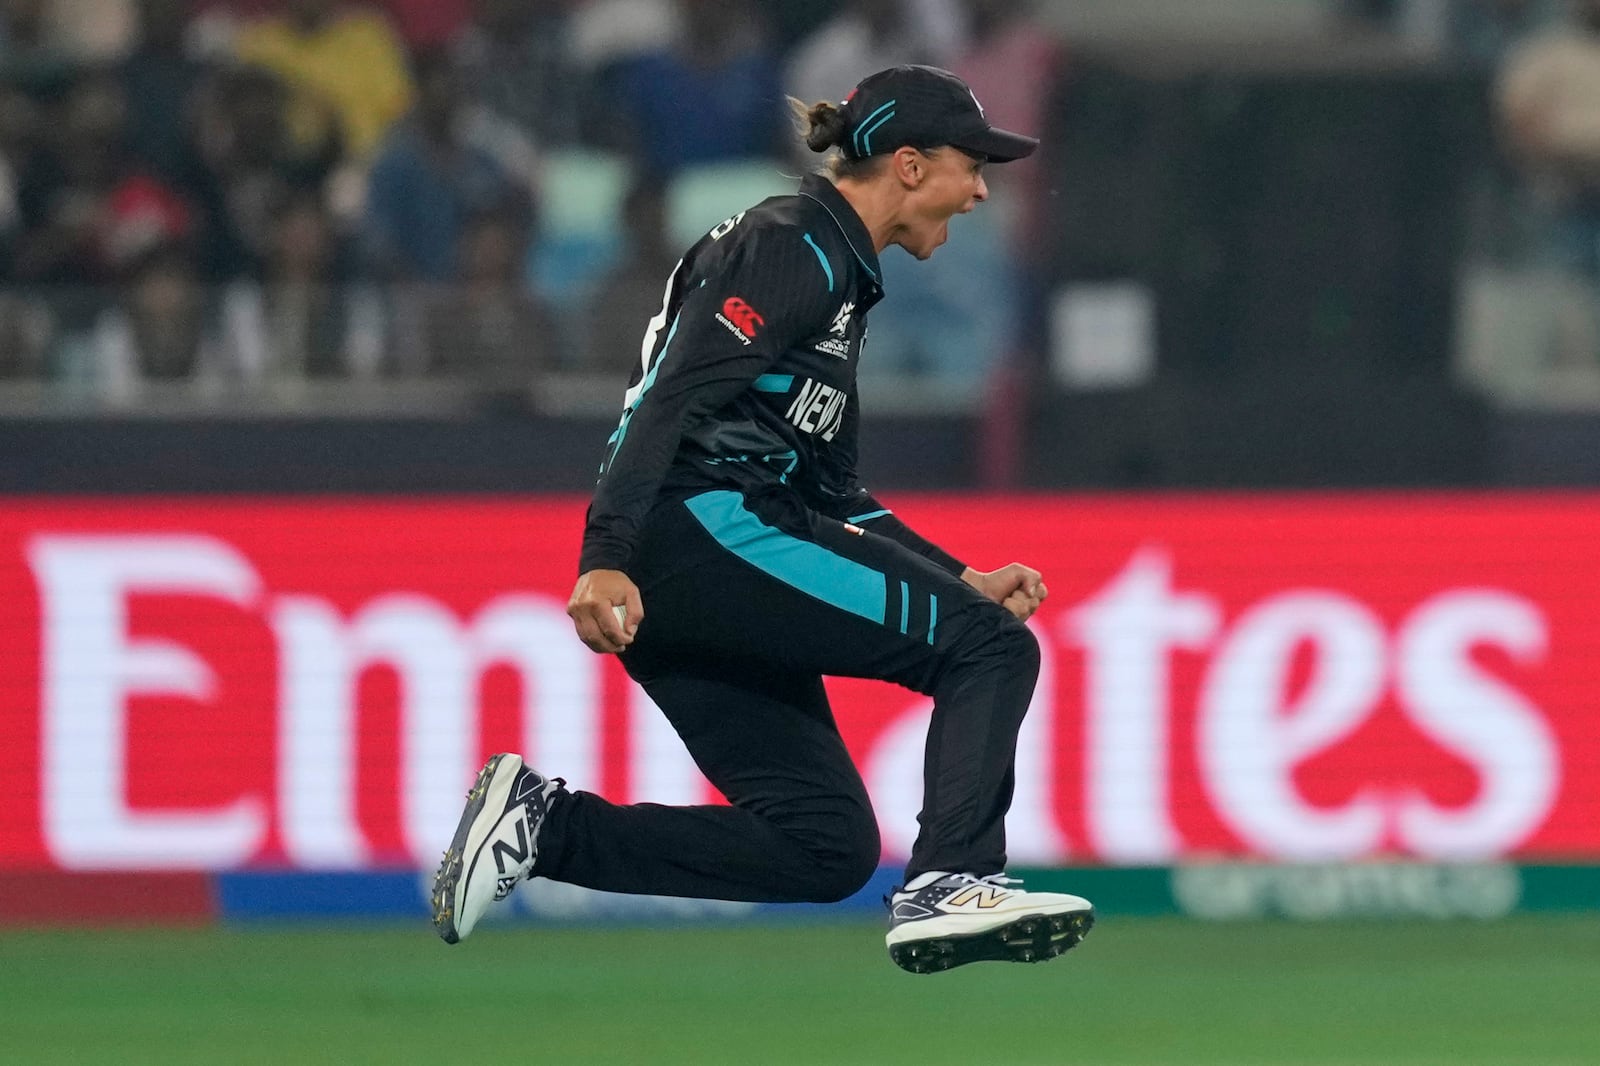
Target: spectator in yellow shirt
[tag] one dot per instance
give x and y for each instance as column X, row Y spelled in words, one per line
column 346, row 65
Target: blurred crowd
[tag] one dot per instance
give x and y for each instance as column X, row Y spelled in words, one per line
column 244, row 197
column 250, row 194
column 1539, row 64
column 1530, row 322
column 1546, row 62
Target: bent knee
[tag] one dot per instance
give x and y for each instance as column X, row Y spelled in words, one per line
column 844, row 868
column 1021, row 645
column 842, row 878
column 994, row 633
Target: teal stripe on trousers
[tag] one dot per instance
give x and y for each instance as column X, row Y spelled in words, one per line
column 800, row 564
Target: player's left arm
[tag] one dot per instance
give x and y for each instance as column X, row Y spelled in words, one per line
column 1019, row 589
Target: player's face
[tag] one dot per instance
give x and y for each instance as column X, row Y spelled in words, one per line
column 954, row 185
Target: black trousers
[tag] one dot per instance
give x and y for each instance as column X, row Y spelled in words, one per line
column 748, row 603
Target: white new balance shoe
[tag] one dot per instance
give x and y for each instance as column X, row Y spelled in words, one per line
column 940, row 920
column 495, row 846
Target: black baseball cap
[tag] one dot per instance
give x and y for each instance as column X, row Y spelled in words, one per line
column 924, row 107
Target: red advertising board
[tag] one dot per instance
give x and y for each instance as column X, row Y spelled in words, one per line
column 198, row 684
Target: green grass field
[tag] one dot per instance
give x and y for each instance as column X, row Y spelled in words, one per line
column 1149, row 991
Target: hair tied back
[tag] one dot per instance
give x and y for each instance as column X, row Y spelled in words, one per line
column 826, row 126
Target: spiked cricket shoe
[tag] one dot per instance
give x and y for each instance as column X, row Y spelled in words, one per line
column 495, row 846
column 942, row 920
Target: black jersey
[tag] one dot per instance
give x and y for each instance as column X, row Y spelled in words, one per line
column 747, row 376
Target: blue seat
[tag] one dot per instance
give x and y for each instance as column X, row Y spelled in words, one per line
column 702, row 196
column 580, row 237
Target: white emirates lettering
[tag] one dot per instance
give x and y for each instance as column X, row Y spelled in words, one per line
column 1279, row 682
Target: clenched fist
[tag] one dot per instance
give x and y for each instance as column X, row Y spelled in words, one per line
column 606, row 610
column 1019, row 589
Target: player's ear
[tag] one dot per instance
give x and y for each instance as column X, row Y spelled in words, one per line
column 910, row 166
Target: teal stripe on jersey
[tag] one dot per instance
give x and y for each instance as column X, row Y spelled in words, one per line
column 856, row 520
column 794, row 461
column 905, row 606
column 823, row 259
column 773, row 382
column 873, row 274
column 800, row 564
column 933, row 617
column 650, row 379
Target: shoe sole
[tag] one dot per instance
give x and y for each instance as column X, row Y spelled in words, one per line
column 1031, row 938
column 442, row 900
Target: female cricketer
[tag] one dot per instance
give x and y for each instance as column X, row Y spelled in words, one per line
column 732, row 559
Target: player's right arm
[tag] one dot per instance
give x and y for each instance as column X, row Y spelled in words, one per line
column 594, row 605
column 729, row 328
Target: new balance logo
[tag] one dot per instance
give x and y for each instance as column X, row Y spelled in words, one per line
column 741, row 319
column 984, row 896
column 527, row 785
column 518, row 855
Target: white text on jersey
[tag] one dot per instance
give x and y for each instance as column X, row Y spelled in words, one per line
column 818, row 408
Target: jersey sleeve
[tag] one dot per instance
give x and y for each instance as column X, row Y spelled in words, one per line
column 844, row 498
column 731, row 325
column 869, row 514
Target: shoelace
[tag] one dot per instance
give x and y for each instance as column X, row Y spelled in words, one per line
column 999, row 881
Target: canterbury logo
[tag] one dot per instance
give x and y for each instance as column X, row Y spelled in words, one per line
column 743, row 316
column 982, row 895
